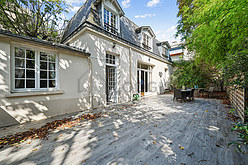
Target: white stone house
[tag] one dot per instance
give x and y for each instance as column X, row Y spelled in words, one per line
column 104, row 58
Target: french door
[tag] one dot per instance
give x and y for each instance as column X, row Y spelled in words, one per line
column 144, row 75
column 111, row 78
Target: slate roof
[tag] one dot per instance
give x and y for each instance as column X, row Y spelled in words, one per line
column 43, row 42
column 127, row 27
column 78, row 19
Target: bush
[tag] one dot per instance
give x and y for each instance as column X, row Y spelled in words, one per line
column 189, row 73
column 242, row 141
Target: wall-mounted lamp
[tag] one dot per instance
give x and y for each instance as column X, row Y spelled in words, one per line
column 160, row 74
column 114, row 45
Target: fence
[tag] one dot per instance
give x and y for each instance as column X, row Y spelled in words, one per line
column 239, row 100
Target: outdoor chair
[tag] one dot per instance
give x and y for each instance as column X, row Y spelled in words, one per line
column 191, row 96
column 177, row 94
column 209, row 92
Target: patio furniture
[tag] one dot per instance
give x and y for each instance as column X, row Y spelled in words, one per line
column 177, row 94
column 192, row 95
column 184, row 95
column 210, row 91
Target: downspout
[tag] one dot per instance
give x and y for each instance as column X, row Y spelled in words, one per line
column 91, row 80
column 130, row 71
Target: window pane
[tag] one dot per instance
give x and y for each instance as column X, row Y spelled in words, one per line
column 51, row 66
column 30, row 84
column 51, row 83
column 20, row 63
column 52, row 75
column 30, row 54
column 43, row 65
column 43, row 56
column 30, row 74
column 52, row 58
column 43, row 74
column 19, row 73
column 30, row 64
column 43, row 83
column 20, row 52
column 19, row 83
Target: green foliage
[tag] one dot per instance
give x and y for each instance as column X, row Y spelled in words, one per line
column 242, row 129
column 243, row 136
column 232, row 111
column 236, row 69
column 214, row 29
column 35, row 18
column 189, row 74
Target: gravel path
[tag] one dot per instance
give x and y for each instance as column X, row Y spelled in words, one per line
column 153, row 131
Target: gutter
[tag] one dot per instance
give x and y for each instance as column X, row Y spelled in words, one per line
column 91, row 80
column 119, row 40
column 130, row 68
column 10, row 35
column 91, row 26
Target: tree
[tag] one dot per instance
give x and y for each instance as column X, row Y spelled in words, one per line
column 236, row 69
column 214, row 29
column 34, row 18
column 189, row 74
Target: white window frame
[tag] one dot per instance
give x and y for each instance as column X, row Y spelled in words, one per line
column 116, row 65
column 37, row 69
column 117, row 24
column 146, row 40
column 149, row 78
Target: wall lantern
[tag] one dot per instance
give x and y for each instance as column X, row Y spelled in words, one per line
column 160, row 74
column 114, row 45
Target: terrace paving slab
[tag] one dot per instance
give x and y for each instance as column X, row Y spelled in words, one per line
column 152, row 131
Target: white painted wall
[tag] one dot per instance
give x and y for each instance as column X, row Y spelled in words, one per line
column 73, row 80
column 99, row 46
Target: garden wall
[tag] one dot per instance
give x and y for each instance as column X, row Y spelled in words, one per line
column 239, row 100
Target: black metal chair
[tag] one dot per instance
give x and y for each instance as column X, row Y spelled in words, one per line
column 177, row 94
column 191, row 97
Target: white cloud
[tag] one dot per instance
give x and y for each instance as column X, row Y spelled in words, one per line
column 145, row 15
column 153, row 3
column 172, row 28
column 73, row 2
column 168, row 35
column 75, row 8
column 126, row 3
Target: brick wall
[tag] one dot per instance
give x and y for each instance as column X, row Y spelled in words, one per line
column 239, row 100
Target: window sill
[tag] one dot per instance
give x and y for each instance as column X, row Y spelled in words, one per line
column 28, row 94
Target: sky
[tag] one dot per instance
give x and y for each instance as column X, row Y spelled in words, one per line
column 159, row 14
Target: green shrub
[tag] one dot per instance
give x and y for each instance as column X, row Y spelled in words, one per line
column 242, row 129
column 189, row 73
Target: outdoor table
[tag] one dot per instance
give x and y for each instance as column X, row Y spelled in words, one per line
column 185, row 93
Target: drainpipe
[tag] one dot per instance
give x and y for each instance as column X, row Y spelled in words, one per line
column 91, row 80
column 130, row 71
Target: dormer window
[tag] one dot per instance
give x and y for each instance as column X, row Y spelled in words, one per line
column 146, row 42
column 110, row 21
